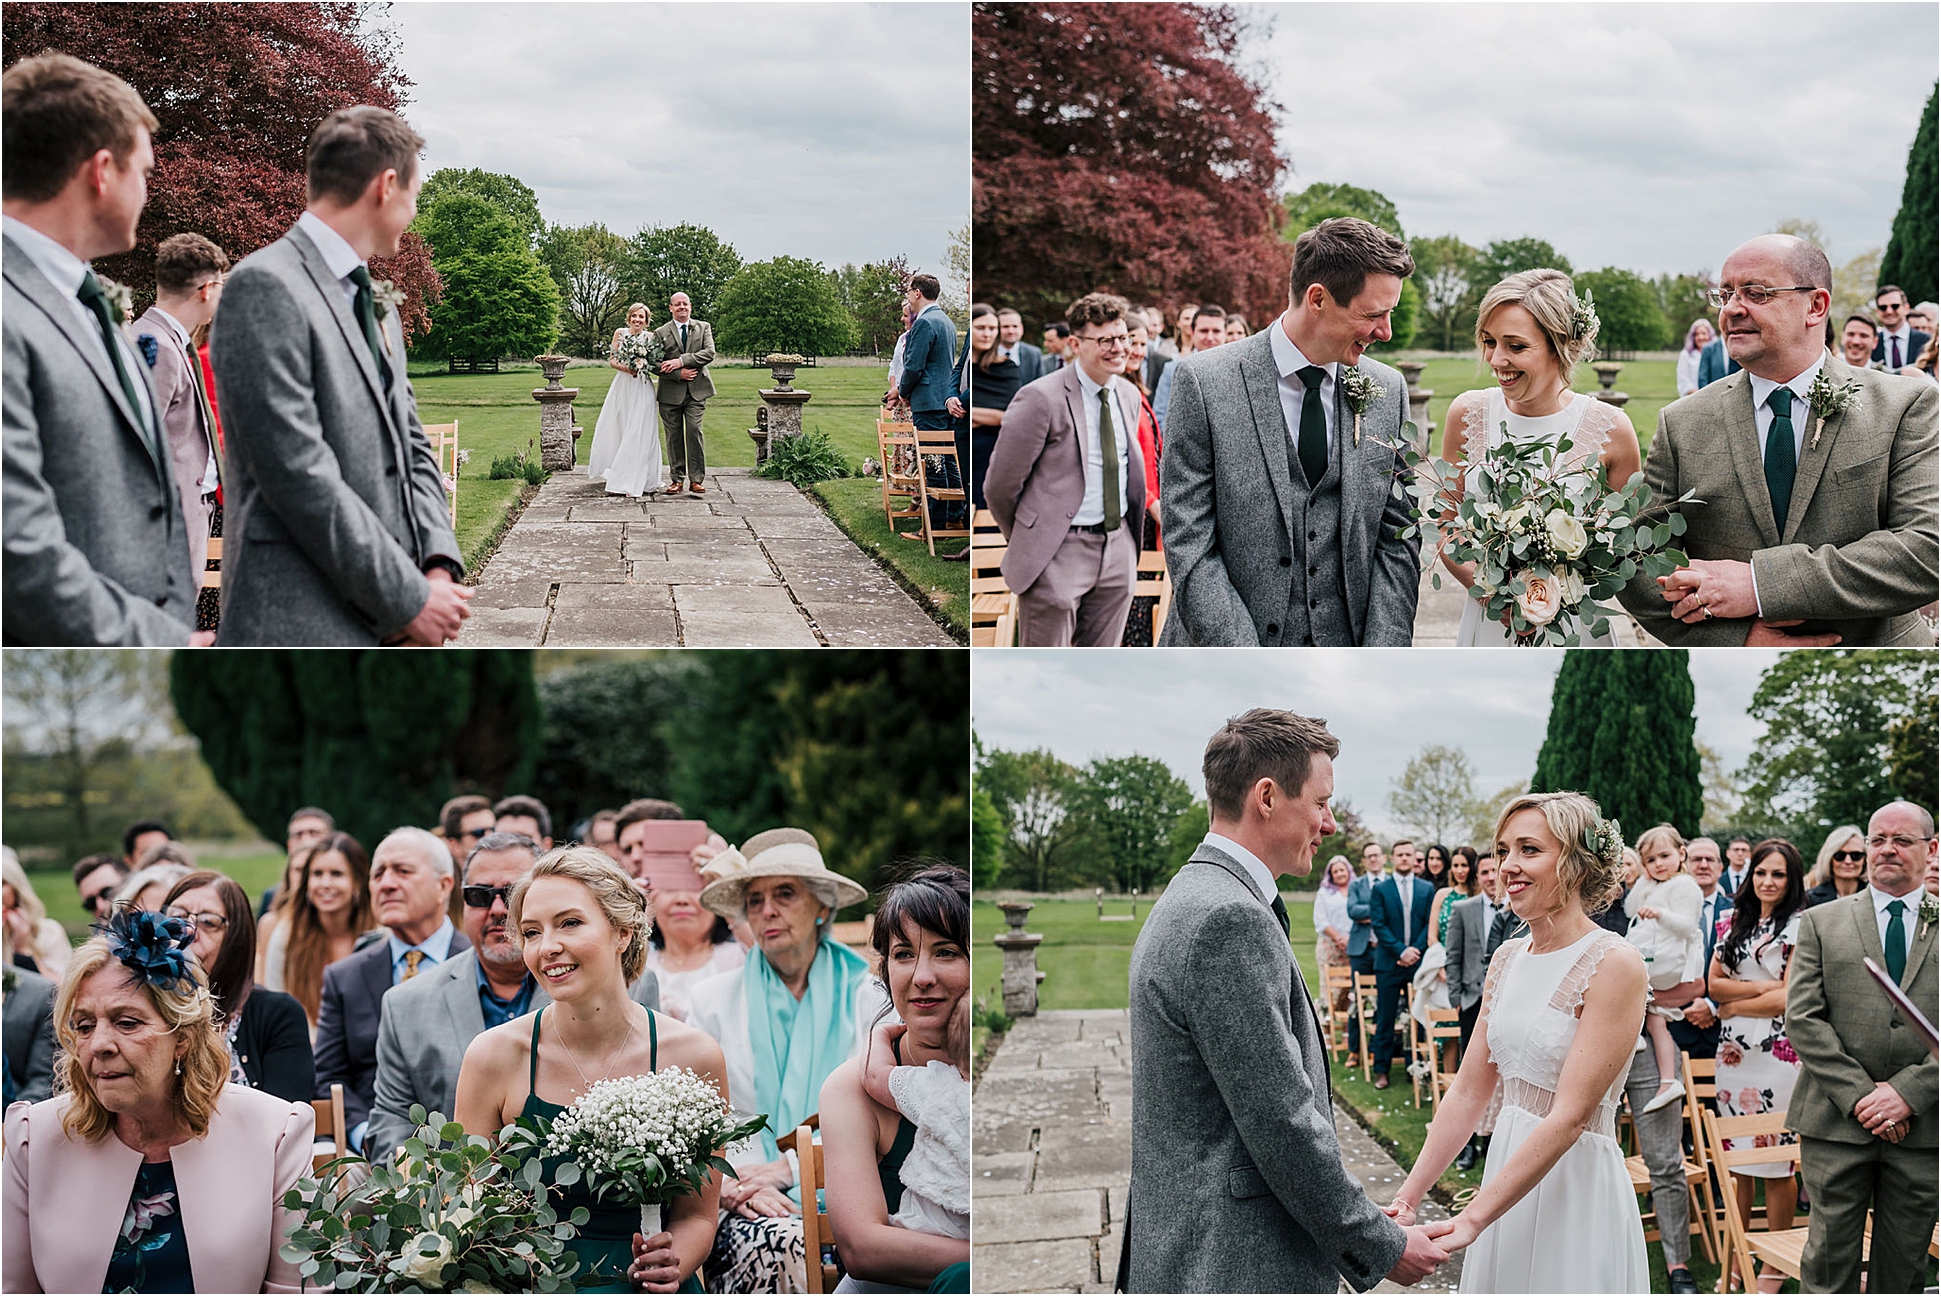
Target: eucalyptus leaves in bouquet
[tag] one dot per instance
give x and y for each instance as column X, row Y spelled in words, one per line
column 1550, row 538
column 639, row 350
column 452, row 1213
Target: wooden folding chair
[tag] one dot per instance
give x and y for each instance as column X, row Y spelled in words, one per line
column 1149, row 580
column 1445, row 1026
column 330, row 1124
column 939, row 443
column 444, row 447
column 1782, row 1248
column 1366, row 993
column 1337, row 982
column 212, row 577
column 896, row 446
column 994, row 608
column 822, row 1275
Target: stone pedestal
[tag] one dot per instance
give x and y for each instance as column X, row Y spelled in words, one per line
column 1411, row 371
column 556, row 430
column 1021, row 975
column 784, row 408
column 1607, row 372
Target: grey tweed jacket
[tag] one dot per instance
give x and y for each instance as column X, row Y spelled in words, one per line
column 334, row 503
column 1227, row 498
column 96, row 553
column 1237, row 1181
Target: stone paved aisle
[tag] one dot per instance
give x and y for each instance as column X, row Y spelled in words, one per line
column 753, row 563
column 1051, row 1139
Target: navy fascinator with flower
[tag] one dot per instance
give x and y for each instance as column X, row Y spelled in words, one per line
column 155, row 947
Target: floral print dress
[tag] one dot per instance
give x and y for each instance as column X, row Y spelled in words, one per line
column 151, row 1254
column 1757, row 1065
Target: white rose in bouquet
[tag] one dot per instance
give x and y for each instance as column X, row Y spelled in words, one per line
column 1540, row 598
column 1566, row 533
column 423, row 1265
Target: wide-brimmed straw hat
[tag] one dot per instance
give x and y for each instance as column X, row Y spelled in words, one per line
column 779, row 852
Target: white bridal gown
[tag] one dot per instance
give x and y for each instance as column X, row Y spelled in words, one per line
column 1578, row 1229
column 1588, row 437
column 626, row 450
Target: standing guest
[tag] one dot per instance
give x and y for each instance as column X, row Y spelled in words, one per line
column 1864, row 1104
column 411, row 880
column 1921, row 319
column 1458, row 879
column 463, row 821
column 306, row 825
column 1469, row 924
column 1161, row 351
column 1010, row 340
column 995, row 379
column 799, row 1008
column 603, row 834
column 1434, row 868
column 686, row 386
column 897, row 409
column 1841, row 868
column 1757, row 1067
column 1183, row 330
column 27, row 1032
column 1058, row 344
column 1698, row 1032
column 1067, row 485
column 39, row 944
column 1400, row 916
column 1237, row 330
column 267, row 1038
column 631, row 837
column 1714, row 363
column 690, row 943
column 96, row 551
column 1141, row 622
column 148, row 1171
column 1924, row 367
column 1209, row 331
column 1697, row 338
column 189, row 272
column 1738, row 859
column 526, row 815
column 929, row 379
column 96, row 879
column 140, row 837
column 324, row 923
column 1361, row 939
column 147, row 886
column 1899, row 341
column 1332, row 924
column 1857, row 338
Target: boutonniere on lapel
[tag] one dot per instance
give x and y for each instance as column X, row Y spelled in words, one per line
column 1930, row 914
column 1826, row 400
column 386, row 297
column 1360, row 391
column 151, row 349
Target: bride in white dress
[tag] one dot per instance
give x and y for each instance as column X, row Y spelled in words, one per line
column 1562, row 1010
column 626, row 451
column 1533, row 333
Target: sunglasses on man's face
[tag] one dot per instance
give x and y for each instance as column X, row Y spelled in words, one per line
column 93, row 903
column 481, row 897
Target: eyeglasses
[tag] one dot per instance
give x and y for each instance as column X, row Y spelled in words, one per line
column 1750, row 294
column 1878, row 842
column 204, row 921
column 1116, row 342
column 1851, row 857
column 481, row 897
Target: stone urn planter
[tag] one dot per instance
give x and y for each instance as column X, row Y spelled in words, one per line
column 782, row 365
column 556, row 430
column 783, row 403
column 1607, row 372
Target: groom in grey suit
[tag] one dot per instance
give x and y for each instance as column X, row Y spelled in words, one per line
column 336, row 521
column 1315, row 557
column 1237, row 1180
column 96, row 551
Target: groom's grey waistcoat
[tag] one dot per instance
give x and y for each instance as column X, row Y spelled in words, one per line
column 1317, row 605
column 1237, row 1181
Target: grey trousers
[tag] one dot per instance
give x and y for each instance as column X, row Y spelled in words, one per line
column 1083, row 595
column 1661, row 1142
column 687, row 458
column 1844, row 1179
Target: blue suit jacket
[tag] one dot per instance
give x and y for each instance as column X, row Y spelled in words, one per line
column 1361, row 935
column 930, row 360
column 1714, row 364
column 1030, row 362
column 1385, row 915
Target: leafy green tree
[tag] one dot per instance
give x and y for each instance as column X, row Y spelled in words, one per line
column 1506, row 257
column 1621, row 732
column 586, row 263
column 1630, row 317
column 1323, row 201
column 1029, row 790
column 1435, row 792
column 1913, row 762
column 507, row 194
column 1350, row 835
column 1445, row 274
column 1187, row 832
column 603, row 742
column 665, row 259
column 787, row 304
column 1682, row 299
column 499, row 299
column 1483, row 815
column 1828, row 754
column 1126, row 807
column 1910, row 258
column 464, row 222
column 987, row 839
column 379, row 739
column 873, row 294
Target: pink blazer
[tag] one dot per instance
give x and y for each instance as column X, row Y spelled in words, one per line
column 64, row 1199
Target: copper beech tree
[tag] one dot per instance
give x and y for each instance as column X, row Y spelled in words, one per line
column 237, row 89
column 1118, row 146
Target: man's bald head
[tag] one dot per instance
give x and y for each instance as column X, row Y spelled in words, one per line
column 1802, row 257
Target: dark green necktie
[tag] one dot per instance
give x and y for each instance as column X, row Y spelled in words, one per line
column 683, row 339
column 1896, row 942
column 1782, row 461
column 95, row 298
column 1314, row 426
column 367, row 316
column 1280, row 913
column 1109, row 464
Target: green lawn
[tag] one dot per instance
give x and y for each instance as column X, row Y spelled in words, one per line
column 857, row 505
column 251, row 864
column 1651, row 384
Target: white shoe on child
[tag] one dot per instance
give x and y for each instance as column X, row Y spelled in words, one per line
column 1666, row 1096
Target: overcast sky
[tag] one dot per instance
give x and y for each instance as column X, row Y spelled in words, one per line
column 1384, row 705
column 1655, row 137
column 836, row 132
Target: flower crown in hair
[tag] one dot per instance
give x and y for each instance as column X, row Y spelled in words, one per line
column 155, row 947
column 1605, row 840
column 1583, row 317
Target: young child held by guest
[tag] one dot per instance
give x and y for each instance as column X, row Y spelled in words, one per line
column 936, row 1099
column 1664, row 908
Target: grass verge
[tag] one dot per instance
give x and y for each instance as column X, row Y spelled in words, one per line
column 856, row 505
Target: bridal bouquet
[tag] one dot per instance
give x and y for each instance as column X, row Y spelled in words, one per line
column 451, row 1213
column 1549, row 540
column 645, row 1140
column 639, row 350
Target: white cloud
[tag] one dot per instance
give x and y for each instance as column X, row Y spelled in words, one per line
column 1655, row 137
column 835, row 132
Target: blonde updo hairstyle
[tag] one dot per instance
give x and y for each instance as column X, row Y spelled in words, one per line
column 1594, row 874
column 1552, row 301
column 639, row 306
column 627, row 909
column 186, row 1009
column 1652, row 838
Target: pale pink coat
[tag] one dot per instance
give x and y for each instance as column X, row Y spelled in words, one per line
column 64, row 1198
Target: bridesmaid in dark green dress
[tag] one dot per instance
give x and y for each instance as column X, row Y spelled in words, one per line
column 582, row 927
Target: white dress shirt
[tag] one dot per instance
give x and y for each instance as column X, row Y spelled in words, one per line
column 1091, row 509
column 1887, row 339
column 65, row 271
column 1908, row 915
column 1248, row 861
column 1405, row 888
column 1762, row 415
column 340, row 258
column 1289, row 361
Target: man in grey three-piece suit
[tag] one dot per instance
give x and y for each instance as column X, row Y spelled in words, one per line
column 336, row 517
column 1277, row 499
column 1237, row 1179
column 96, row 553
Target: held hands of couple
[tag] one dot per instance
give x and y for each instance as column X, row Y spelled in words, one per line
column 1428, row 1245
column 1884, row 1112
column 438, row 620
column 1724, row 589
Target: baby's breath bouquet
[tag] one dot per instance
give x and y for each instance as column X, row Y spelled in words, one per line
column 450, row 1213
column 644, row 1140
column 639, row 350
column 1550, row 539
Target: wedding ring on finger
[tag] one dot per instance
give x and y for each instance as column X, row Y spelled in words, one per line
column 1705, row 610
